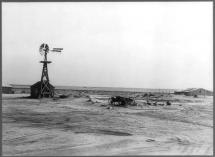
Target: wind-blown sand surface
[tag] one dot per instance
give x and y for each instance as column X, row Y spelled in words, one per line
column 76, row 126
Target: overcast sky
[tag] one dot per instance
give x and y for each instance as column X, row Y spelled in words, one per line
column 110, row 44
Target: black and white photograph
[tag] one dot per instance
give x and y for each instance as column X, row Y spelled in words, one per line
column 107, row 78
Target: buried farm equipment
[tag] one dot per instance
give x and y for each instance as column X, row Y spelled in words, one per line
column 121, row 101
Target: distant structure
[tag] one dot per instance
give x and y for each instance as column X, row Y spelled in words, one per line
column 7, row 89
column 43, row 88
column 195, row 92
column 20, row 88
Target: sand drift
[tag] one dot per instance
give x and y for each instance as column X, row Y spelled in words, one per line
column 84, row 126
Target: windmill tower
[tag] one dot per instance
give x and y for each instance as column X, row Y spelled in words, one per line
column 43, row 88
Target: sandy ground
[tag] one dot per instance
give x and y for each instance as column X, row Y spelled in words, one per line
column 77, row 126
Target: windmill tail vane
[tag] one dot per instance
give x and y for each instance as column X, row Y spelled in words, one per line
column 56, row 49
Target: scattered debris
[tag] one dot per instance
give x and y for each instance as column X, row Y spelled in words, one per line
column 98, row 98
column 168, row 103
column 155, row 104
column 62, row 96
column 150, row 95
column 109, row 107
column 148, row 103
column 145, row 95
column 180, row 140
column 150, row 140
column 121, row 101
column 161, row 104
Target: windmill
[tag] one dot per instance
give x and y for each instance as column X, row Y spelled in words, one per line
column 43, row 88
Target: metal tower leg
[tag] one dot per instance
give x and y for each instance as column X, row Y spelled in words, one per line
column 45, row 86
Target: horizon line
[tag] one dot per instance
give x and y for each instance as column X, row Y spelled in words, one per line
column 111, row 87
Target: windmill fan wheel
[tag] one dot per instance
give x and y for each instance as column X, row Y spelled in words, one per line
column 44, row 48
